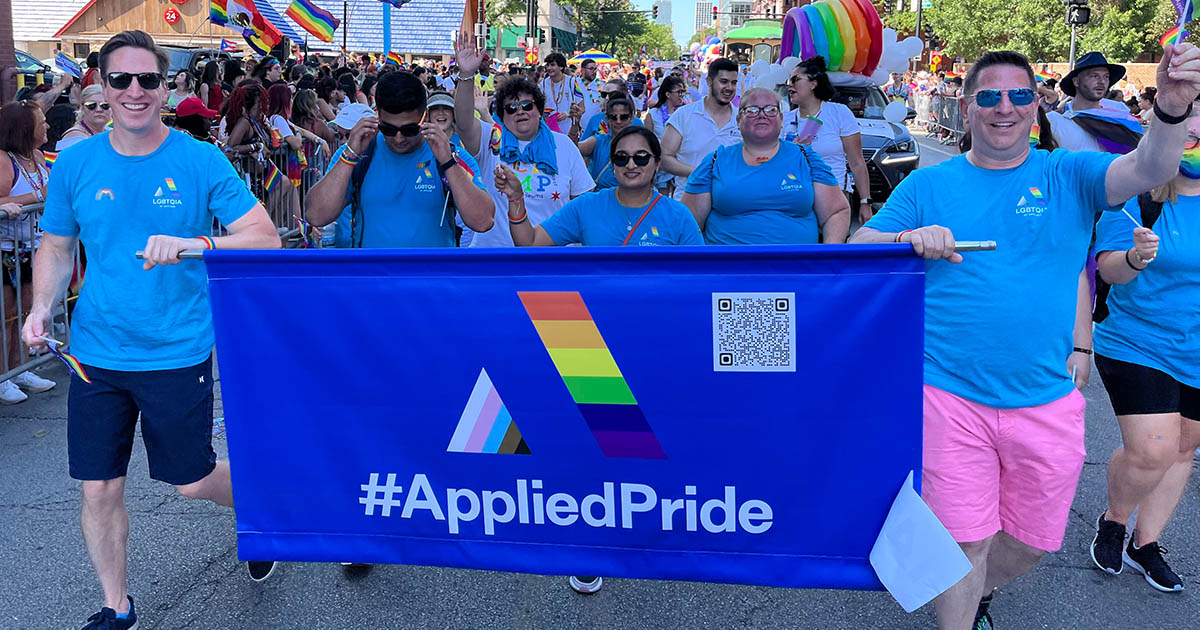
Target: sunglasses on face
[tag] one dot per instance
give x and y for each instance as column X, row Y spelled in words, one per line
column 525, row 105
column 619, row 117
column 641, row 158
column 768, row 111
column 677, row 92
column 147, row 80
column 991, row 98
column 92, row 106
column 408, row 131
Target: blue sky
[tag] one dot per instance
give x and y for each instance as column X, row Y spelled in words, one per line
column 683, row 16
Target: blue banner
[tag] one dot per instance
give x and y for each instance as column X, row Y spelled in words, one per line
column 742, row 415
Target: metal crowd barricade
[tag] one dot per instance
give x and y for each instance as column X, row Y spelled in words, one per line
column 947, row 115
column 19, row 240
column 281, row 181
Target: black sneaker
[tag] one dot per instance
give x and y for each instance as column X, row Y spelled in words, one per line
column 260, row 571
column 586, row 585
column 1106, row 546
column 1149, row 561
column 107, row 619
column 983, row 618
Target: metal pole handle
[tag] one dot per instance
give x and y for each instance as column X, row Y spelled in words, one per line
column 186, row 254
column 974, row 246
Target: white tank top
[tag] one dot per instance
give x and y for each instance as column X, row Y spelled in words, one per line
column 22, row 229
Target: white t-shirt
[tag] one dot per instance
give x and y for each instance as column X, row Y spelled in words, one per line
column 700, row 136
column 281, row 125
column 837, row 122
column 591, row 96
column 559, row 96
column 1071, row 136
column 544, row 194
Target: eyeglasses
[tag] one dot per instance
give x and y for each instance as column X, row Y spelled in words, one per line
column 93, row 106
column 609, row 93
column 618, row 117
column 122, row 80
column 641, row 158
column 796, row 79
column 525, row 105
column 408, row 131
column 768, row 111
column 677, row 92
column 1192, row 143
column 991, row 98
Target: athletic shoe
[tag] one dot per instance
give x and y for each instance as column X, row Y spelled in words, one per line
column 1149, row 561
column 10, row 394
column 107, row 619
column 1106, row 546
column 983, row 618
column 32, row 382
column 259, row 570
column 586, row 585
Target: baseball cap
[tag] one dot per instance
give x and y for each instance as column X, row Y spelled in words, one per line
column 351, row 114
column 440, row 98
column 193, row 106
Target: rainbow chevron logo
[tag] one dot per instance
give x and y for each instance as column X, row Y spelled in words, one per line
column 591, row 374
column 1037, row 194
column 485, row 425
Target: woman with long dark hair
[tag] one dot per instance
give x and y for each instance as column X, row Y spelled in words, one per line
column 210, row 91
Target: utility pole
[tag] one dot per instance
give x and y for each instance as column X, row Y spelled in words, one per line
column 345, row 24
column 1078, row 14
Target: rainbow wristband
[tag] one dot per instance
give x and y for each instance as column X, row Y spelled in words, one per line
column 208, row 242
column 524, row 217
column 344, row 160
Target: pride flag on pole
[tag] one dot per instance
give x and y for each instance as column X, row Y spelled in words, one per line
column 313, row 19
column 243, row 16
column 1186, row 12
column 228, row 46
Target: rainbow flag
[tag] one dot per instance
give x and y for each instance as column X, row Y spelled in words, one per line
column 494, row 142
column 1035, row 135
column 313, row 19
column 51, row 157
column 271, row 181
column 603, row 127
column 243, row 16
column 576, row 90
column 73, row 364
column 1186, row 12
column 1170, row 37
column 395, row 58
column 1044, row 76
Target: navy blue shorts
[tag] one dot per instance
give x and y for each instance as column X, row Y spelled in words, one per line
column 176, row 407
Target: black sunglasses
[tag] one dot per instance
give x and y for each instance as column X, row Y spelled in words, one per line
column 92, row 106
column 619, row 117
column 408, row 131
column 641, row 158
column 122, row 80
column 526, row 105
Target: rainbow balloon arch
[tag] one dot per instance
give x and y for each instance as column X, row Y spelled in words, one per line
column 847, row 33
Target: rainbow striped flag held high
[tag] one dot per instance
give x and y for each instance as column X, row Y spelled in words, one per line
column 73, row 364
column 394, row 57
column 1043, row 76
column 243, row 16
column 271, row 180
column 1186, row 12
column 1170, row 37
column 313, row 19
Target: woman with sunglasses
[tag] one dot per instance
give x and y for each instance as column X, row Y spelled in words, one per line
column 836, row 138
column 763, row 191
column 1148, row 354
column 632, row 213
column 22, row 182
column 671, row 95
column 617, row 113
column 524, row 164
column 92, row 118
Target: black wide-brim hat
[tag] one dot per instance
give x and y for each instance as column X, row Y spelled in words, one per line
column 1091, row 60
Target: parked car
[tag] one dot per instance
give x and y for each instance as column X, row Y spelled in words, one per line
column 890, row 150
column 191, row 59
column 29, row 66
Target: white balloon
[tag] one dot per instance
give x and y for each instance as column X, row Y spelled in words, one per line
column 759, row 66
column 789, row 63
column 881, row 77
column 895, row 112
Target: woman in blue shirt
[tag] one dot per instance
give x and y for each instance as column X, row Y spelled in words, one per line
column 763, row 191
column 633, row 213
column 1148, row 353
column 618, row 114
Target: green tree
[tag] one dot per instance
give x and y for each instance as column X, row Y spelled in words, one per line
column 659, row 41
column 609, row 30
column 702, row 35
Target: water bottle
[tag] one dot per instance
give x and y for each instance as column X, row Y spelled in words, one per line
column 327, row 239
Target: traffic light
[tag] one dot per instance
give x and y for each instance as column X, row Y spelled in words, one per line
column 714, row 13
column 1078, row 12
column 654, row 12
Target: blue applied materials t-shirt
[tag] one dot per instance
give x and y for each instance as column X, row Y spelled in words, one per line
column 128, row 318
column 403, row 200
column 598, row 219
column 592, row 127
column 600, row 166
column 998, row 326
column 768, row 204
column 1154, row 320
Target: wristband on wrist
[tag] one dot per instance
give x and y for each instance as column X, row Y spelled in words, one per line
column 445, row 166
column 1172, row 120
column 344, row 160
column 1082, row 350
column 208, row 242
column 524, row 216
column 354, row 155
column 1130, row 262
column 901, row 236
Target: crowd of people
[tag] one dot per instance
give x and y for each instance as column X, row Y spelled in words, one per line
column 560, row 155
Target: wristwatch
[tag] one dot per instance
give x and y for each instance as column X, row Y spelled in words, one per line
column 445, row 166
column 866, row 201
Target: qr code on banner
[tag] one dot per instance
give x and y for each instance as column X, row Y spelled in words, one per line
column 754, row 332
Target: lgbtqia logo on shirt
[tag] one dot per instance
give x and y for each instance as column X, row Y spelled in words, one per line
column 790, row 184
column 168, row 196
column 424, row 181
column 1032, row 204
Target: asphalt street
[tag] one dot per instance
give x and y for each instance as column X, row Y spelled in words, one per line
column 184, row 573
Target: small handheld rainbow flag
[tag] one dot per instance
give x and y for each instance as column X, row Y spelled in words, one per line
column 1044, row 76
column 494, row 143
column 51, row 158
column 271, row 181
column 576, row 90
column 73, row 364
column 305, row 231
column 394, row 57
column 1170, row 37
column 313, row 19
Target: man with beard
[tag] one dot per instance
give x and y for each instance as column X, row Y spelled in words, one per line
column 1091, row 121
column 697, row 129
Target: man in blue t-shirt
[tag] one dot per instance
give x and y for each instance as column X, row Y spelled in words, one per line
column 410, row 167
column 142, row 330
column 1003, row 421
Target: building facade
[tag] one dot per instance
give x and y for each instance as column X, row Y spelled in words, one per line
column 704, row 14
column 664, row 12
column 773, row 9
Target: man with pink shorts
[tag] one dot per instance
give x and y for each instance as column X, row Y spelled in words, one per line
column 1003, row 420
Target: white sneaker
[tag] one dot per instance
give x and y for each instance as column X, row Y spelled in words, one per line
column 33, row 382
column 10, row 394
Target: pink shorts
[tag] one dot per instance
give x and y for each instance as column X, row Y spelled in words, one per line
column 987, row 470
